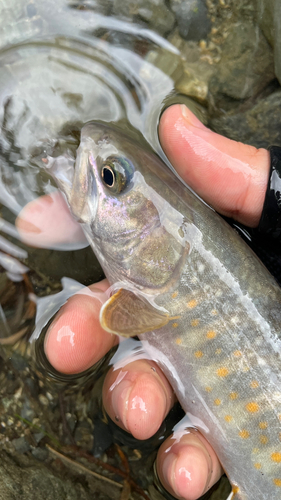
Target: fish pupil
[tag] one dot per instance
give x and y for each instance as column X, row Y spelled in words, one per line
column 108, row 176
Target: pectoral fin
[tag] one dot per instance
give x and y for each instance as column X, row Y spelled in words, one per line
column 129, row 314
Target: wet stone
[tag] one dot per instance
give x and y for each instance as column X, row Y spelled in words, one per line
column 40, row 454
column 266, row 18
column 154, row 13
column 24, row 478
column 259, row 126
column 100, row 6
column 27, row 412
column 277, row 39
column 192, row 18
column 21, row 445
column 246, row 64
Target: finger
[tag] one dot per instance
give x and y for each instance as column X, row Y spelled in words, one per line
column 230, row 176
column 46, row 221
column 75, row 341
column 188, row 466
column 138, row 397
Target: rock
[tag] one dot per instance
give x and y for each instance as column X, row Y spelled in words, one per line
column 246, row 64
column 21, row 445
column 266, row 18
column 192, row 18
column 277, row 39
column 259, row 126
column 269, row 12
column 26, row 479
column 40, row 454
column 154, row 13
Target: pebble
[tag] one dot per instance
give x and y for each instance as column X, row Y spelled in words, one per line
column 192, row 18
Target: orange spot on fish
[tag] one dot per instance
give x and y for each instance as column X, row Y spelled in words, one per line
column 217, row 402
column 192, row 303
column 277, row 482
column 211, row 334
column 195, row 322
column 237, row 354
column 257, row 465
column 214, row 312
column 254, row 384
column 198, row 354
column 233, row 395
column 178, row 341
column 244, row 434
column 218, row 351
column 175, row 325
column 252, row 407
column 263, row 425
column 255, row 450
column 235, row 490
column 228, row 418
column 174, row 295
column 208, row 389
column 263, row 439
column 222, row 372
column 276, row 457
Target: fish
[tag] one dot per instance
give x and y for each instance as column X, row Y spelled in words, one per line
column 204, row 306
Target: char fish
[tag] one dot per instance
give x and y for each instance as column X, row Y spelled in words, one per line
column 206, row 308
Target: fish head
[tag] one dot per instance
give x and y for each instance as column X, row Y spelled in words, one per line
column 113, row 196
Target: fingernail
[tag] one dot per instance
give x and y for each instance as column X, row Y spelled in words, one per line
column 119, row 401
column 185, row 470
column 190, row 117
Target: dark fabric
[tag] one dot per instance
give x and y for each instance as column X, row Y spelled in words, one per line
column 270, row 222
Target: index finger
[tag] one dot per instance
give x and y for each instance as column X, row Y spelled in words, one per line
column 230, row 176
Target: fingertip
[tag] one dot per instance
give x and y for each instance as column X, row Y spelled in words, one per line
column 188, row 467
column 230, row 176
column 138, row 398
column 46, row 222
column 75, row 341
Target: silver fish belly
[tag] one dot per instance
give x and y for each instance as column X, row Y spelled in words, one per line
column 206, row 308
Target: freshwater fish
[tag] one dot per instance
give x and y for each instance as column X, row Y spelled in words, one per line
column 206, row 308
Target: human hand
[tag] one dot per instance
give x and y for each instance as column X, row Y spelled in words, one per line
column 232, row 178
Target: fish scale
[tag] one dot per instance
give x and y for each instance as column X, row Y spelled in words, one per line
column 212, row 308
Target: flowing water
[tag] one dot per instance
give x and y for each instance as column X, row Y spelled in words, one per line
column 62, row 66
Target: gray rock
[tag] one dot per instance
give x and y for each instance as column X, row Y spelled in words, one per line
column 259, row 126
column 154, row 13
column 21, row 445
column 277, row 39
column 265, row 11
column 246, row 64
column 192, row 18
column 26, row 479
column 40, row 454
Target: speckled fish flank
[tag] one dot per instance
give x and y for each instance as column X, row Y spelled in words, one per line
column 206, row 308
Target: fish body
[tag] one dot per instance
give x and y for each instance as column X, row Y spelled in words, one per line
column 205, row 307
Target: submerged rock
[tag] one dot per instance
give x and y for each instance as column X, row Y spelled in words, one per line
column 154, row 13
column 259, row 126
column 192, row 18
column 246, row 64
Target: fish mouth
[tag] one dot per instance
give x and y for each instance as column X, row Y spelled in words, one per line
column 83, row 198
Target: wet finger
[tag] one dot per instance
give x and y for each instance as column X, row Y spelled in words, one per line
column 46, row 222
column 75, row 341
column 138, row 397
column 230, row 176
column 187, row 465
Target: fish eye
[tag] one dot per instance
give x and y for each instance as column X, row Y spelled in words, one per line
column 108, row 176
column 116, row 173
